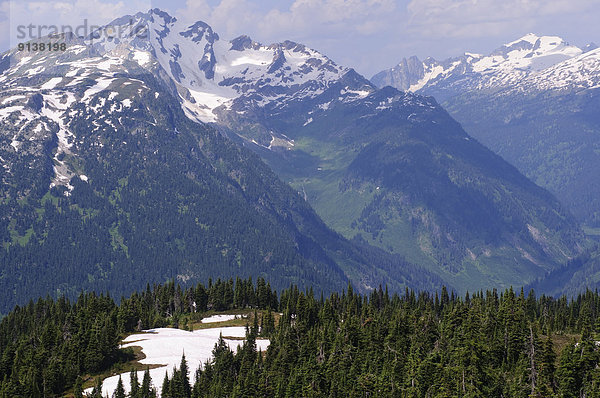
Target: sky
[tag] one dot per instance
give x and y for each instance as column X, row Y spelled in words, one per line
column 367, row 35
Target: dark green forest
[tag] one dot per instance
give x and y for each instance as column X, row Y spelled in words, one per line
column 485, row 344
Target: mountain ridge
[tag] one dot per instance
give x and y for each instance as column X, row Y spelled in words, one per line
column 539, row 116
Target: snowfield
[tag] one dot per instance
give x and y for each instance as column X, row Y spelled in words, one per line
column 165, row 346
column 218, row 318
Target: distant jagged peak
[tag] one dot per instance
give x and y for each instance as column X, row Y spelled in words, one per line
column 537, row 40
column 198, row 31
column 528, row 56
column 164, row 15
column 472, row 55
column 244, row 42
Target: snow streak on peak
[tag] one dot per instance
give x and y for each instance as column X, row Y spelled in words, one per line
column 580, row 72
column 529, row 37
column 528, row 53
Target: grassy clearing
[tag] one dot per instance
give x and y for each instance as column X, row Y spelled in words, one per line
column 560, row 341
column 245, row 317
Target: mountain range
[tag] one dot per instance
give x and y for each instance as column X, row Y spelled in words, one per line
column 533, row 101
column 129, row 160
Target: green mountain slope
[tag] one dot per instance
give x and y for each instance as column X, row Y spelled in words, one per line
column 533, row 101
column 397, row 171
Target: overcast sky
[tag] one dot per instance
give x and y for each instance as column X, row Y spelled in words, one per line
column 368, row 35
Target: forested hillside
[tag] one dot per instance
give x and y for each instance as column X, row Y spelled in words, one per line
column 487, row 344
column 419, row 345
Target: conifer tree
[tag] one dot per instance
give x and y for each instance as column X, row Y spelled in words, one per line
column 184, row 377
column 567, row 372
column 547, row 369
column 120, row 390
column 97, row 390
column 134, row 384
column 146, row 390
column 165, row 391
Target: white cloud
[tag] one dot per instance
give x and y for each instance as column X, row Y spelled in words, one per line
column 43, row 14
column 481, row 18
column 330, row 16
column 4, row 25
column 195, row 10
column 303, row 18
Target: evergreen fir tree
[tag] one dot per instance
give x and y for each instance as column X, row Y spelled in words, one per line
column 134, row 384
column 184, row 376
column 165, row 391
column 120, row 390
column 147, row 391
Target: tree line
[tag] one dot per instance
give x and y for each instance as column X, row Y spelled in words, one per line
column 485, row 344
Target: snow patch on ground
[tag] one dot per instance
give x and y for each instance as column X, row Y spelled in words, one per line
column 50, row 84
column 72, row 73
column 5, row 112
column 11, row 99
column 54, row 109
column 141, row 57
column 205, row 103
column 260, row 58
column 108, row 63
column 165, row 346
column 101, row 84
column 14, row 143
column 218, row 318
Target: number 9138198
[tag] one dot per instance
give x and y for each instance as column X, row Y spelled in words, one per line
column 39, row 47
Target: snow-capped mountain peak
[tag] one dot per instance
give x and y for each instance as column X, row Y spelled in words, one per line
column 214, row 79
column 529, row 38
column 517, row 61
column 576, row 73
column 211, row 73
column 529, row 52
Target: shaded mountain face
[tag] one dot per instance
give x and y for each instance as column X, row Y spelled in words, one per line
column 533, row 101
column 108, row 185
column 379, row 166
